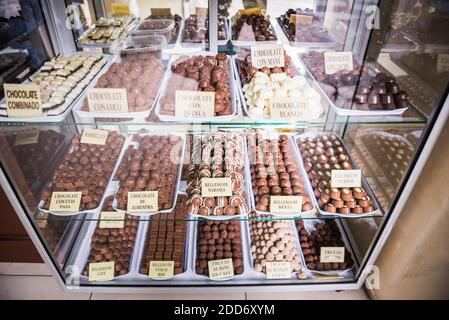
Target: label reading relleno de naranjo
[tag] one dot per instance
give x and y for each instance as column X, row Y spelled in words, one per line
column 216, row 187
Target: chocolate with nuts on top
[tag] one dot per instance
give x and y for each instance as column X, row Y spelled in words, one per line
column 253, row 28
column 196, row 29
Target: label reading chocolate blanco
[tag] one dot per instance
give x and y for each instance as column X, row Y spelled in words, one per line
column 94, row 136
column 442, row 62
column 160, row 11
column 336, row 61
column 279, row 270
column 194, row 104
column 332, row 254
column 142, row 201
column 62, row 201
column 119, row 9
column 220, row 268
column 288, row 109
column 286, row 204
column 27, row 137
column 267, row 56
column 161, row 269
column 23, row 100
column 216, row 187
column 346, row 178
column 101, row 271
column 112, row 219
column 103, row 100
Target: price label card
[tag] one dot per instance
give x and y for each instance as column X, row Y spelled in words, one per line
column 194, row 104
column 102, row 100
column 142, row 201
column 112, row 219
column 23, row 100
column 279, row 270
column 267, row 56
column 443, row 62
column 160, row 11
column 332, row 254
column 286, row 204
column 27, row 137
column 161, row 269
column 336, row 61
column 220, row 268
column 300, row 19
column 64, row 201
column 201, row 11
column 120, row 9
column 216, row 187
column 289, row 109
column 101, row 271
column 94, row 136
column 346, row 178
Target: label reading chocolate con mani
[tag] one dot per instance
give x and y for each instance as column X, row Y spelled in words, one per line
column 194, row 104
column 102, row 100
column 279, row 270
column 442, row 62
column 23, row 100
column 346, row 178
column 267, row 56
column 288, row 109
column 112, row 219
column 64, row 201
column 336, row 61
column 286, row 204
column 142, row 201
column 332, row 254
column 160, row 11
column 94, row 136
column 27, row 137
column 216, row 187
column 101, row 271
column 120, row 9
column 161, row 269
column 220, row 268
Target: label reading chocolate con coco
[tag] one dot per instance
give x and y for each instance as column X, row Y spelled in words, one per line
column 105, row 100
column 288, row 109
column 194, row 104
column 23, row 100
column 267, row 56
column 120, row 9
column 160, row 11
column 220, row 268
column 336, row 61
column 346, row 178
column 442, row 62
column 142, row 201
column 112, row 219
column 64, row 201
column 161, row 269
column 332, row 254
column 94, row 136
column 27, row 137
column 286, row 204
column 279, row 270
column 216, row 187
column 101, row 271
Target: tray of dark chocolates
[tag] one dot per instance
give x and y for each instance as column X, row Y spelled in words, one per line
column 320, row 154
column 195, row 31
column 199, row 72
column 175, row 32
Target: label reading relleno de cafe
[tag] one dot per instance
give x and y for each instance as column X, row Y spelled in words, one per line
column 220, row 268
column 442, row 62
column 286, row 204
column 336, row 61
column 288, row 109
column 27, row 137
column 267, row 56
column 161, row 269
column 102, row 100
column 112, row 219
column 279, row 270
column 101, row 271
column 64, row 201
column 120, row 9
column 23, row 100
column 346, row 178
column 216, row 187
column 332, row 254
column 94, row 136
column 142, row 201
column 160, row 11
column 194, row 104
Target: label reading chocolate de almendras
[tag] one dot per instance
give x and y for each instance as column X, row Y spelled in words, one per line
column 120, row 9
column 288, row 109
column 286, row 204
column 442, row 62
column 220, row 268
column 23, row 100
column 216, row 187
column 30, row 136
column 278, row 270
column 94, row 136
column 161, row 269
column 142, row 201
column 336, row 61
column 65, row 201
column 346, row 178
column 267, row 56
column 194, row 104
column 105, row 100
column 101, row 271
column 112, row 219
column 332, row 254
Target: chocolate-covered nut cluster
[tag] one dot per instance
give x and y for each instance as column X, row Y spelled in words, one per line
column 219, row 240
column 177, row 18
column 273, row 241
column 326, row 234
column 113, row 244
column 166, row 237
column 274, row 171
column 253, row 27
column 314, row 32
column 152, row 166
column 322, row 155
column 196, row 29
column 86, row 168
column 219, row 155
column 200, row 73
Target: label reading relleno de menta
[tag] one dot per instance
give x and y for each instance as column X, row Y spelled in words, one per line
column 161, row 269
column 286, row 204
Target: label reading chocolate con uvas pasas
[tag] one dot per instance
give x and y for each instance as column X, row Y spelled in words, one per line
column 194, row 104
column 161, row 269
column 65, row 201
column 288, row 109
column 101, row 271
column 94, row 136
column 142, row 201
column 278, row 270
column 286, row 204
column 269, row 56
column 332, row 254
column 107, row 100
column 23, row 100
column 336, row 61
column 216, row 187
column 220, row 268
column 112, row 219
column 346, row 178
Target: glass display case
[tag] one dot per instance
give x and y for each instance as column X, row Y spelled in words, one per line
column 257, row 144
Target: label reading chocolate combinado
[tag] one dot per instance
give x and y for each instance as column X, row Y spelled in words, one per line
column 279, row 270
column 194, row 104
column 336, row 61
column 442, row 62
column 65, row 201
column 160, row 11
column 27, row 137
column 101, row 271
column 332, row 254
column 267, row 56
column 288, row 109
column 23, row 100
column 161, row 269
column 120, row 9
column 112, row 219
column 346, row 178
column 286, row 204
column 220, row 268
column 105, row 100
column 142, row 201
column 94, row 136
column 216, row 187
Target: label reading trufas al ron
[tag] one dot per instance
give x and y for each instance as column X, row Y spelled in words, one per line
column 269, row 56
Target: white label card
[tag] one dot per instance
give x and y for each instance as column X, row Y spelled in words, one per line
column 267, row 56
column 220, row 268
column 216, row 187
column 102, row 100
column 161, row 269
column 286, row 204
column 194, row 104
column 346, row 178
column 336, row 61
column 112, row 219
column 101, row 271
column 332, row 254
column 23, row 100
column 279, row 270
column 94, row 136
column 443, row 62
column 289, row 109
column 142, row 201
